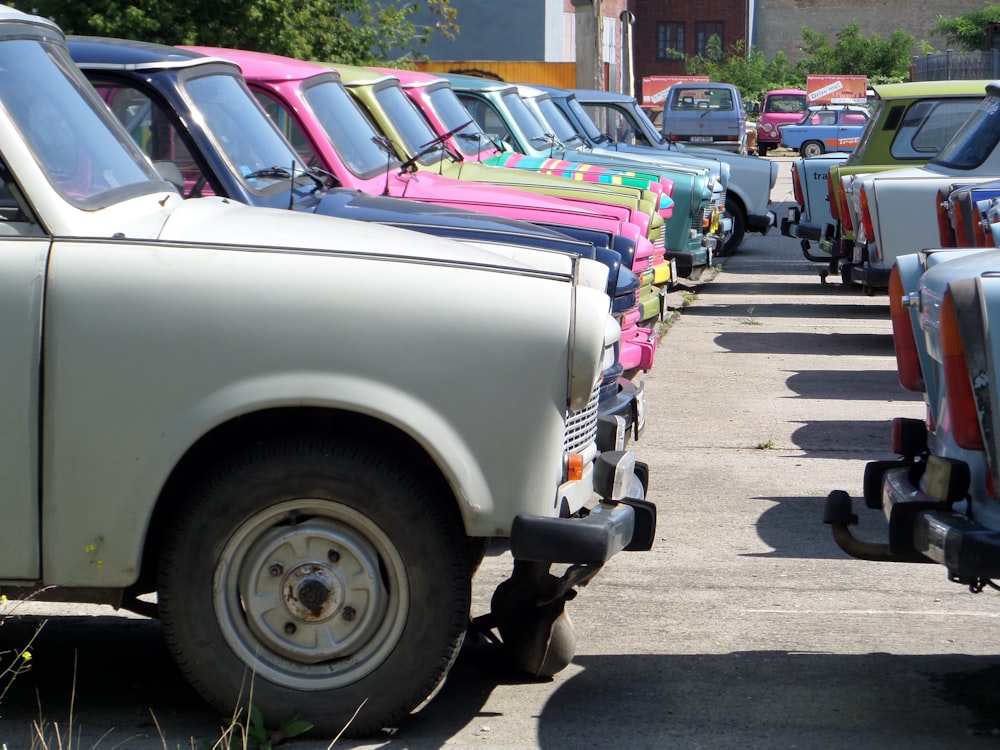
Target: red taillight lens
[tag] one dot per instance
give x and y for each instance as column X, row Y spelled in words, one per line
column 832, row 181
column 866, row 215
column 962, row 411
column 904, row 341
column 845, row 214
column 797, row 186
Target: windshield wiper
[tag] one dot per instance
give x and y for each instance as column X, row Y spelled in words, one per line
column 278, row 172
column 410, row 165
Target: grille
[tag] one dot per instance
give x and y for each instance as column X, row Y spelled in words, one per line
column 581, row 426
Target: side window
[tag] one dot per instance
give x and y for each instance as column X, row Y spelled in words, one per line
column 152, row 128
column 289, row 127
column 486, row 117
column 928, row 125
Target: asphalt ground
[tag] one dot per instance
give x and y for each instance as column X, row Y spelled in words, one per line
column 745, row 627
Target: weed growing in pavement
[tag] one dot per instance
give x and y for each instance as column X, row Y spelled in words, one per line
column 719, row 267
column 764, row 445
column 750, row 320
column 687, row 298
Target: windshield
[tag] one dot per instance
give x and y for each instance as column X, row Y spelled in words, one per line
column 785, row 103
column 74, row 137
column 590, row 128
column 244, row 133
column 471, row 140
column 348, row 128
column 556, row 120
column 533, row 130
column 414, row 130
column 975, row 139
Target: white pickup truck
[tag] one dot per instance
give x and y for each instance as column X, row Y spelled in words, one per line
column 200, row 403
column 895, row 212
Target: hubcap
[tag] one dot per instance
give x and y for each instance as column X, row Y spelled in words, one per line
column 312, row 593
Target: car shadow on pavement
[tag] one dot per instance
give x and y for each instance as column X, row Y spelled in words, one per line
column 793, row 528
column 793, row 310
column 785, row 342
column 756, row 699
column 863, row 384
column 780, row 699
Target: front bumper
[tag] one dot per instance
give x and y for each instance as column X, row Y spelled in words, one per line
column 762, row 223
column 622, row 417
column 610, row 527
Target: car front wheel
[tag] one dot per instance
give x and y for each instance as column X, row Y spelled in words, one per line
column 317, row 579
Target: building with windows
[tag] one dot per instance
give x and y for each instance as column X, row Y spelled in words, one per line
column 536, row 41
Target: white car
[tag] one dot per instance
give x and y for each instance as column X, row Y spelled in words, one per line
column 896, row 212
column 200, row 400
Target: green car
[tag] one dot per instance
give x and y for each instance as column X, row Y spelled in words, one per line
column 909, row 124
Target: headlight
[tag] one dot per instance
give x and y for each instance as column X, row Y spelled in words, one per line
column 586, row 345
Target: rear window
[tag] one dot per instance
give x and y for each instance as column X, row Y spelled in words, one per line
column 702, row 98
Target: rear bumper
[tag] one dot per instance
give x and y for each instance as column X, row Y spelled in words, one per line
column 870, row 277
column 923, row 524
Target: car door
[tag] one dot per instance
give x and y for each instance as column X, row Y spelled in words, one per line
column 24, row 254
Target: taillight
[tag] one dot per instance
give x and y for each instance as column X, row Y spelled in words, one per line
column 961, row 404
column 831, row 194
column 866, row 215
column 797, row 186
column 945, row 234
column 904, row 341
column 845, row 214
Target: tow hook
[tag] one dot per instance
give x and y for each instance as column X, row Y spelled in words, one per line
column 839, row 514
column 529, row 612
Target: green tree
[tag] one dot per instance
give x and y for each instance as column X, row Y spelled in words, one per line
column 751, row 72
column 357, row 32
column 881, row 59
column 968, row 30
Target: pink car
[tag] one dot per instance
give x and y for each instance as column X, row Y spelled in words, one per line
column 327, row 127
column 780, row 107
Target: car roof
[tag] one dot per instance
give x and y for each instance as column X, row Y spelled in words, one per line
column 931, row 88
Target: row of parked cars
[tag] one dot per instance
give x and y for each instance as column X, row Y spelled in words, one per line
column 914, row 211
column 289, row 343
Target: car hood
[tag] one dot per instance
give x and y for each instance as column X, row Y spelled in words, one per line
column 221, row 221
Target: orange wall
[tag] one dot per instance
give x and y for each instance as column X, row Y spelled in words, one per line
column 560, row 75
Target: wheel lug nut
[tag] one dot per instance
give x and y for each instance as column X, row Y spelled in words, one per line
column 276, row 570
column 333, row 556
column 349, row 613
column 290, row 628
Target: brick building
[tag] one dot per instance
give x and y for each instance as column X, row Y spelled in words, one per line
column 543, row 32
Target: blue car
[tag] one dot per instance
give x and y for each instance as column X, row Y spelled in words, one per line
column 827, row 129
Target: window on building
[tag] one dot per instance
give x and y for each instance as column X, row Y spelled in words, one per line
column 670, row 40
column 703, row 32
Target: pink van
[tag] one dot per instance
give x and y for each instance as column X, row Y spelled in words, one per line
column 779, row 107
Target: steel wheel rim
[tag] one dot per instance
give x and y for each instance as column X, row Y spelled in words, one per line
column 302, row 617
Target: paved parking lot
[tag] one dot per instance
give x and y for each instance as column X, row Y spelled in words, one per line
column 745, row 627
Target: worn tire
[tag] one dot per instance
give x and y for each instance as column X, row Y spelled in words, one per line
column 762, row 149
column 735, row 237
column 811, row 149
column 315, row 576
